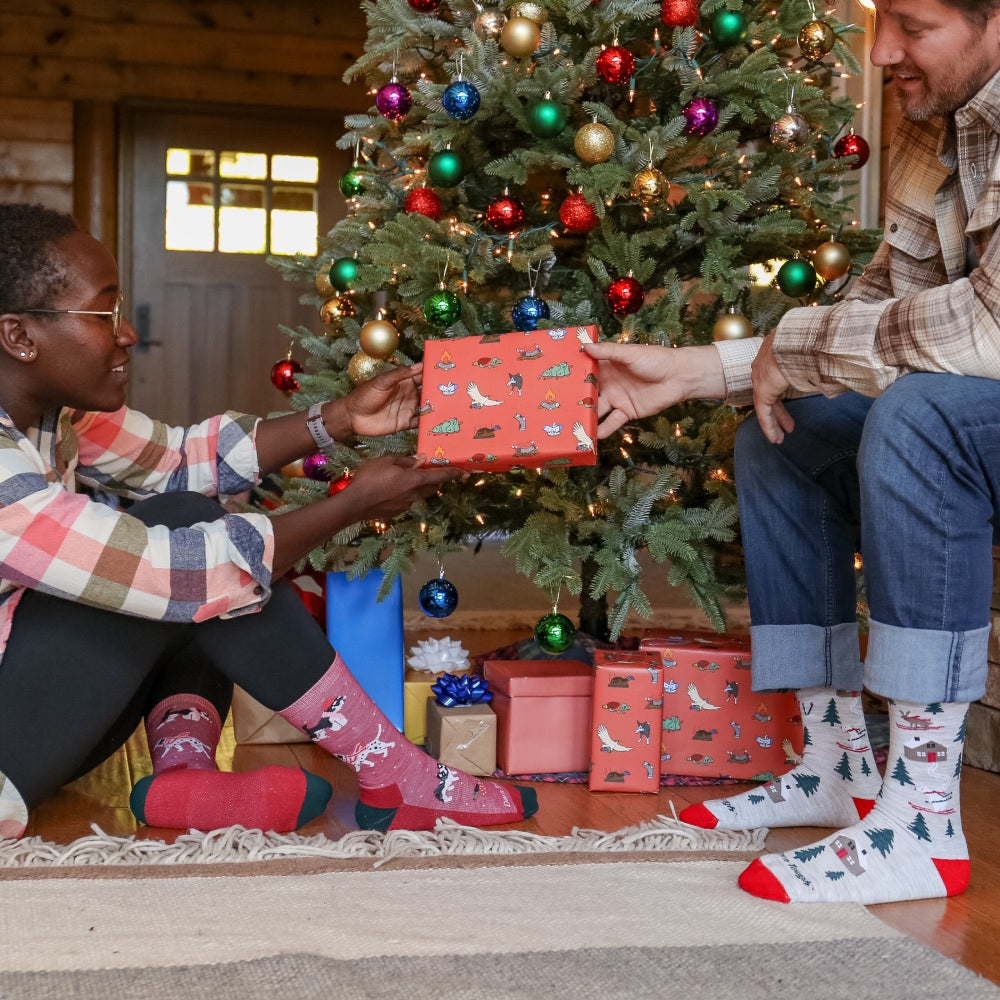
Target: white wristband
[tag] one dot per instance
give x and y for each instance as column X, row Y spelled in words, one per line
column 314, row 421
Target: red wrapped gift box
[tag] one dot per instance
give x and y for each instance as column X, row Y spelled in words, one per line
column 628, row 701
column 714, row 725
column 543, row 714
column 511, row 400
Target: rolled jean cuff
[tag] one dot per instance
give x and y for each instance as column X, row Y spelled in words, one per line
column 926, row 665
column 804, row 656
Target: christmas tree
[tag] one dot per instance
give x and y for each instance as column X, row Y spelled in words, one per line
column 629, row 164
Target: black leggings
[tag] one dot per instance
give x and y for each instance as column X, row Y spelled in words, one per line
column 75, row 681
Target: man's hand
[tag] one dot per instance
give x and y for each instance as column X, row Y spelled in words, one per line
column 769, row 387
column 639, row 379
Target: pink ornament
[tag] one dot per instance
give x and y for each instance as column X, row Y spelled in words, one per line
column 701, row 116
column 393, row 101
column 315, row 467
column 616, row 64
column 425, row 6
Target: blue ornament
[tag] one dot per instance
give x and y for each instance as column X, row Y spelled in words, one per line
column 528, row 311
column 438, row 598
column 460, row 100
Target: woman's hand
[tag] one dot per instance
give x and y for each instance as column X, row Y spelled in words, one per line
column 386, row 403
column 391, row 484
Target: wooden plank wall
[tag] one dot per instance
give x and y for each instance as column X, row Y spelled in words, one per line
column 60, row 54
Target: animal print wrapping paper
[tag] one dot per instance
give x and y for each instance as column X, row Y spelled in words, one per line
column 526, row 399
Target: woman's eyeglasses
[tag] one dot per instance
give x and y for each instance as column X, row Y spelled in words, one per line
column 115, row 313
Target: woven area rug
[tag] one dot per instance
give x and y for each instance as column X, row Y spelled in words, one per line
column 546, row 919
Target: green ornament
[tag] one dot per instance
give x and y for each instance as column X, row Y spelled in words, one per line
column 445, row 168
column 352, row 184
column 796, row 277
column 555, row 632
column 729, row 27
column 343, row 271
column 547, row 118
column 442, row 308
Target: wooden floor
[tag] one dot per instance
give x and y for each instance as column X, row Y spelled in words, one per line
column 965, row 928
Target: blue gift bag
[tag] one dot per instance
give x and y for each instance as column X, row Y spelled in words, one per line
column 368, row 634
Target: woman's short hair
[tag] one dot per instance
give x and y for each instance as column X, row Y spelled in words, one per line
column 31, row 273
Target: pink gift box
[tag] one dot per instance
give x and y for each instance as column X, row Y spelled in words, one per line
column 625, row 741
column 714, row 725
column 543, row 710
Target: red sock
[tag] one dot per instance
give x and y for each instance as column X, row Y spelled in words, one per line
column 402, row 788
column 270, row 798
column 187, row 791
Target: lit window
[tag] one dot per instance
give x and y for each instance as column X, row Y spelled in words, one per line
column 215, row 203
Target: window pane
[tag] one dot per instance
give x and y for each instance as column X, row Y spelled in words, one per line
column 191, row 161
column 252, row 166
column 190, row 223
column 294, row 221
column 304, row 169
column 242, row 219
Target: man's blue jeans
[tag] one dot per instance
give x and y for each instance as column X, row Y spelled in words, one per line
column 912, row 481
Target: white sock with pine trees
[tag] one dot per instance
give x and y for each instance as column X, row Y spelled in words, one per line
column 835, row 783
column 13, row 810
column 910, row 846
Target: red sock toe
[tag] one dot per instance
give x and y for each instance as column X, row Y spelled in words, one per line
column 760, row 881
column 954, row 874
column 699, row 815
column 864, row 807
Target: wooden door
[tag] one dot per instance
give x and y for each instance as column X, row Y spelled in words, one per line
column 209, row 317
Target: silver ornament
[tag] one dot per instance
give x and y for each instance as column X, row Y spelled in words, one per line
column 790, row 130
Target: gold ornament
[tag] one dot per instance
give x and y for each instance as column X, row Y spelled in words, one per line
column 649, row 185
column 732, row 326
column 379, row 339
column 816, row 39
column 323, row 285
column 363, row 366
column 594, row 143
column 790, row 130
column 533, row 11
column 520, row 36
column 332, row 311
column 489, row 24
column 831, row 260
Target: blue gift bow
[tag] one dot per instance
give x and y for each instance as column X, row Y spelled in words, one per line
column 461, row 689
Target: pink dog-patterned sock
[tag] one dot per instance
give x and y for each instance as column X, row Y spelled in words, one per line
column 402, row 788
column 187, row 791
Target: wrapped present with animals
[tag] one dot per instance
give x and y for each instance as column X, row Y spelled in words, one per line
column 714, row 725
column 625, row 730
column 525, row 399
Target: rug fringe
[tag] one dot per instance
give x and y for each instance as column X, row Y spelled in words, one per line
column 238, row 844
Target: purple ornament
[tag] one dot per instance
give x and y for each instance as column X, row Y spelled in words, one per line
column 701, row 116
column 315, row 467
column 393, row 101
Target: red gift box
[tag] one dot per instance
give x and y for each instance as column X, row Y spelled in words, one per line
column 628, row 701
column 714, row 725
column 543, row 714
column 526, row 399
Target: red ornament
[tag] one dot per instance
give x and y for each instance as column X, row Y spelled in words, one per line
column 577, row 214
column 423, row 201
column 853, row 145
column 425, row 6
column 625, row 295
column 339, row 484
column 505, row 214
column 283, row 374
column 679, row 13
column 616, row 64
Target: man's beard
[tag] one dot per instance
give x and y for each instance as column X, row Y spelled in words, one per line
column 947, row 98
